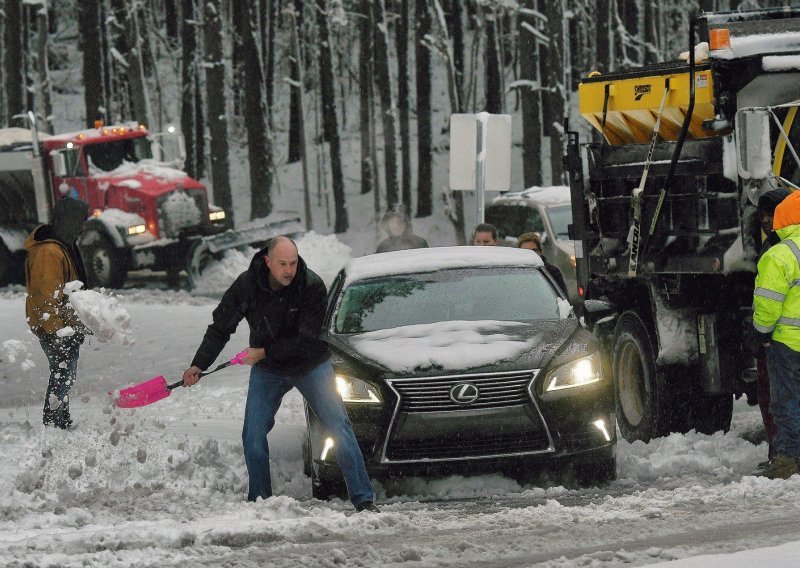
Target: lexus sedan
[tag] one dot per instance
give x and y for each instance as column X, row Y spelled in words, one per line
column 462, row 360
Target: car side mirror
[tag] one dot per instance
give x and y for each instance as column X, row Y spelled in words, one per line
column 753, row 148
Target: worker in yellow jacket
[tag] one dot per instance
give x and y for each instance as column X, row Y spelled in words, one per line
column 53, row 261
column 776, row 302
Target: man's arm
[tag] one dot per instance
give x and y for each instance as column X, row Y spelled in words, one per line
column 226, row 318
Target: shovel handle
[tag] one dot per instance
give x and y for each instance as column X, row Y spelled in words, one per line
column 214, row 370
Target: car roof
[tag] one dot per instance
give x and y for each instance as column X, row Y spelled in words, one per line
column 547, row 196
column 437, row 258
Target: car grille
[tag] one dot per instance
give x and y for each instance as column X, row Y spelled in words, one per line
column 432, row 394
column 468, row 446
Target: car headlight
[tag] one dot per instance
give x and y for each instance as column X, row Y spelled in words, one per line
column 583, row 371
column 136, row 230
column 216, row 216
column 356, row 390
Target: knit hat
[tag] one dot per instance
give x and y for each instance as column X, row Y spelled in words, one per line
column 771, row 199
column 787, row 212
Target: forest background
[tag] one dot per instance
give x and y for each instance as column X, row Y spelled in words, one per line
column 354, row 96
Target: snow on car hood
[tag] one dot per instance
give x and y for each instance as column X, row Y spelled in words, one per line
column 459, row 345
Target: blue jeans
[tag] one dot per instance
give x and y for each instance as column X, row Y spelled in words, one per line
column 783, row 364
column 62, row 357
column 318, row 387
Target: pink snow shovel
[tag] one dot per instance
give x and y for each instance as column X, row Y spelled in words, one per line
column 157, row 388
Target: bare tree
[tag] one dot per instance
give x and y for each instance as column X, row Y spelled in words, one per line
column 15, row 80
column 530, row 37
column 422, row 17
column 139, row 92
column 365, row 100
column 258, row 147
column 171, row 15
column 215, row 93
column 329, row 121
column 384, row 83
column 556, row 90
column 493, row 85
column 295, row 111
column 188, row 84
column 401, row 43
column 44, row 89
column 89, row 27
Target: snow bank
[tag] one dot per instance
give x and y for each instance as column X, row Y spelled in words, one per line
column 101, row 313
column 324, row 254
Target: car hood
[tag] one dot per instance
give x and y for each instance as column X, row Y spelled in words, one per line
column 461, row 347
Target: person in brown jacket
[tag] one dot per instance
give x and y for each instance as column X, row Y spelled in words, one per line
column 53, row 260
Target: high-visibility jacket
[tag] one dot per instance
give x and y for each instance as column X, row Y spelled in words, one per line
column 776, row 299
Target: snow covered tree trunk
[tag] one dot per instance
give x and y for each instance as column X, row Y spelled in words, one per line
column 258, row 147
column 171, row 20
column 2, row 67
column 424, row 115
column 493, row 85
column 383, row 77
column 188, row 70
column 403, row 94
column 15, row 80
column 269, row 55
column 215, row 94
column 329, row 121
column 556, row 91
column 295, row 118
column 652, row 44
column 530, row 94
column 365, row 95
column 456, row 29
column 298, row 86
column 44, row 87
column 605, row 32
column 140, row 96
column 89, row 27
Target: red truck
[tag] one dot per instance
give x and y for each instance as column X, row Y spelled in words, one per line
column 147, row 213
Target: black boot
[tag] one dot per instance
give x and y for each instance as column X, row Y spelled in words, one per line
column 60, row 416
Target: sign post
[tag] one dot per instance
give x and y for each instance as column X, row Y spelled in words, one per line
column 480, row 155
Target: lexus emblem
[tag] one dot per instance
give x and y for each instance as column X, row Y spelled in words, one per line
column 464, row 393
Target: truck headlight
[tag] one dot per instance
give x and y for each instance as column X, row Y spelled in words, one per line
column 136, row 230
column 216, row 215
column 356, row 390
column 583, row 371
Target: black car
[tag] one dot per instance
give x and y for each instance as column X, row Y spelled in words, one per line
column 462, row 360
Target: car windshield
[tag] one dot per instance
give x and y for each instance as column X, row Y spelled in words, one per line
column 506, row 294
column 560, row 218
column 513, row 220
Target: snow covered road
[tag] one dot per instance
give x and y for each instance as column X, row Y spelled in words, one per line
column 164, row 485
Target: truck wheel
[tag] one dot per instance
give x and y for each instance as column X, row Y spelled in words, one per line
column 638, row 387
column 198, row 260
column 106, row 265
column 712, row 413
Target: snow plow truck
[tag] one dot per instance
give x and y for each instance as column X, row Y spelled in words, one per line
column 665, row 214
column 147, row 213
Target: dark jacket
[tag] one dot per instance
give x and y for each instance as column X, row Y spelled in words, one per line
column 555, row 273
column 286, row 323
column 404, row 242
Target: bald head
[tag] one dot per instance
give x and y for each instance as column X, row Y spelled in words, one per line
column 281, row 262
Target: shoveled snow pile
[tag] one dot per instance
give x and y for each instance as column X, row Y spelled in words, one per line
column 101, row 313
column 324, row 254
column 14, row 349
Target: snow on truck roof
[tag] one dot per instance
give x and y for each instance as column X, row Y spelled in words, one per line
column 417, row 261
column 15, row 136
